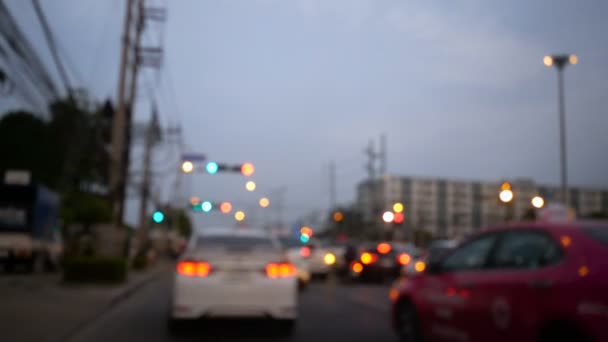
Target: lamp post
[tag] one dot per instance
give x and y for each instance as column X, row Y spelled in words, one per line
column 560, row 62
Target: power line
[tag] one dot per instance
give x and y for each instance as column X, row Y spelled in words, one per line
column 20, row 46
column 52, row 46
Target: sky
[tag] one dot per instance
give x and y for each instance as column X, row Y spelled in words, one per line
column 459, row 88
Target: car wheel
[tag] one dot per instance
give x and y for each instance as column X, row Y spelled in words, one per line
column 286, row 327
column 407, row 323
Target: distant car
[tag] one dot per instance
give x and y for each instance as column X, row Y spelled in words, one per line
column 435, row 251
column 536, row 281
column 383, row 261
column 298, row 254
column 226, row 273
column 322, row 259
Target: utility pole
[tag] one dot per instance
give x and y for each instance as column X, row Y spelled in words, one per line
column 383, row 155
column 151, row 137
column 332, row 185
column 132, row 57
column 119, row 122
column 371, row 155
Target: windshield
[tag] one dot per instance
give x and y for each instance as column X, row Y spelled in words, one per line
column 234, row 242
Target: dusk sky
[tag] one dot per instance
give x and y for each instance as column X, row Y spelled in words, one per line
column 459, row 87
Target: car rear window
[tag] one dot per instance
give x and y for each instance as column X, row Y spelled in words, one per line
column 598, row 233
column 234, row 242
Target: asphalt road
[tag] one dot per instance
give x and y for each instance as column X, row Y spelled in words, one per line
column 328, row 311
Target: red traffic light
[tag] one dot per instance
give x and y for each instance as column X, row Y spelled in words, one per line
column 306, row 231
column 247, row 169
column 225, row 207
column 399, row 218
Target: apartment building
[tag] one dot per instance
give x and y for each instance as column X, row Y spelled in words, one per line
column 454, row 208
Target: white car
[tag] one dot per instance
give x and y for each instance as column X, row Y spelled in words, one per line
column 228, row 273
column 322, row 259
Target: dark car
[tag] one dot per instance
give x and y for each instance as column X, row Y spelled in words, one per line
column 382, row 261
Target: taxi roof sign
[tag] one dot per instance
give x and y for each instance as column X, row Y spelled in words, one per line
column 556, row 212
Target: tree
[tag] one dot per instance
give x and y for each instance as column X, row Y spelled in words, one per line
column 68, row 153
column 25, row 144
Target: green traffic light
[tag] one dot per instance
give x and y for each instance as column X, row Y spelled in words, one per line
column 158, row 216
column 212, row 168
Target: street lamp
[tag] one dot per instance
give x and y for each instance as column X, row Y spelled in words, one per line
column 560, row 62
column 538, row 202
column 264, row 202
column 250, row 186
column 506, row 196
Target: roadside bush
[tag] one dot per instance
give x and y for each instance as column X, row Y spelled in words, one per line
column 106, row 270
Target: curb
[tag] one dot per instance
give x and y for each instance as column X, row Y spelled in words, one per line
column 116, row 299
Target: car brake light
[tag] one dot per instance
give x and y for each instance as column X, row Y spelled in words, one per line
column 419, row 266
column 383, row 248
column 280, row 270
column 368, row 258
column 356, row 267
column 192, row 268
column 305, row 251
column 404, row 259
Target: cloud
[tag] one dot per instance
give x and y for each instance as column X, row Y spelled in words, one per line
column 348, row 14
column 466, row 48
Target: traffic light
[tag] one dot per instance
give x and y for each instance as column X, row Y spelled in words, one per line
column 399, row 218
column 306, row 231
column 206, row 206
column 158, row 216
column 305, row 234
column 212, row 168
column 187, row 166
column 247, row 169
column 225, row 207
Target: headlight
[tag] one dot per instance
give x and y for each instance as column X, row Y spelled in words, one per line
column 329, row 259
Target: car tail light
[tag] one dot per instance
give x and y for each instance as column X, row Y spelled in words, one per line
column 280, row 270
column 194, row 268
column 368, row 258
column 356, row 267
column 305, row 252
column 419, row 266
column 383, row 248
column 404, row 259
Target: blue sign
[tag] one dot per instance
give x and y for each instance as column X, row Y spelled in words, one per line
column 193, row 157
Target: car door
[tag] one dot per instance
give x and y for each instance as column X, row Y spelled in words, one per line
column 448, row 295
column 522, row 277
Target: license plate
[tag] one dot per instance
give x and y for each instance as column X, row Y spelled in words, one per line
column 386, row 263
column 236, row 276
